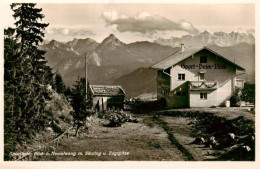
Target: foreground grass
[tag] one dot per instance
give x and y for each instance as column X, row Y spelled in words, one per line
column 163, row 135
column 132, row 141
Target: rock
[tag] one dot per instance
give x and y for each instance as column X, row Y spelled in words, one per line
column 212, row 143
column 232, row 135
column 247, row 148
column 199, row 140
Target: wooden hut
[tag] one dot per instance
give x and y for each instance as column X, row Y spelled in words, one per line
column 107, row 96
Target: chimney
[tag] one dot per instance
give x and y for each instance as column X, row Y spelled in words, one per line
column 182, row 47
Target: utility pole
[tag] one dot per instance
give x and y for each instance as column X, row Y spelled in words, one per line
column 86, row 73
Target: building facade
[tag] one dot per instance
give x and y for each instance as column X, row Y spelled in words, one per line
column 106, row 96
column 196, row 77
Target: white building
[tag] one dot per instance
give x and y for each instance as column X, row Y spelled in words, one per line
column 196, row 77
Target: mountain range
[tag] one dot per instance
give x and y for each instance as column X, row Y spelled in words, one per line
column 207, row 38
column 115, row 62
column 107, row 60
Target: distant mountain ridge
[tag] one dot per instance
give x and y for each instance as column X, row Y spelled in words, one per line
column 140, row 81
column 82, row 45
column 107, row 60
column 112, row 59
column 206, row 38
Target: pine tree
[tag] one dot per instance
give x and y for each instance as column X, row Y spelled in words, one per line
column 25, row 79
column 11, row 83
column 30, row 32
column 28, row 29
column 59, row 84
column 68, row 93
column 79, row 104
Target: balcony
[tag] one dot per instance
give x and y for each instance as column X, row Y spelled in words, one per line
column 203, row 85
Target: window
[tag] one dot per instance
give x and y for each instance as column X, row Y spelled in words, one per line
column 203, row 59
column 203, row 96
column 181, row 76
column 201, row 76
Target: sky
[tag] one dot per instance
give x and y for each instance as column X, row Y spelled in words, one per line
column 139, row 22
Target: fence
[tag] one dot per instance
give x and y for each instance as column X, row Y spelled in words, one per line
column 46, row 147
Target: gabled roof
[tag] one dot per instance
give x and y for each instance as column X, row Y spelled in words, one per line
column 179, row 56
column 106, row 90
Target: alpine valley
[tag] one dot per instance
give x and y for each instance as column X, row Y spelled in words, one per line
column 118, row 63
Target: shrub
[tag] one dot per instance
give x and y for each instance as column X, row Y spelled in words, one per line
column 248, row 93
column 235, row 98
column 62, row 117
column 118, row 117
column 65, row 119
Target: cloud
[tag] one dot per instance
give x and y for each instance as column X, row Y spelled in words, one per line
column 146, row 23
column 110, row 15
column 70, row 31
column 146, row 35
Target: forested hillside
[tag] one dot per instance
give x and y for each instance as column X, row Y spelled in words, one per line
column 33, row 95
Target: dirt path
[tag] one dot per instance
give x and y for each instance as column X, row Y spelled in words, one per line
column 171, row 131
column 133, row 141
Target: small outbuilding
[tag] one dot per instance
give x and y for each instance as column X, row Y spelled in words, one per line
column 107, row 96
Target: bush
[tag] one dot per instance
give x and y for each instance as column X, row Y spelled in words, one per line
column 62, row 117
column 65, row 119
column 118, row 117
column 235, row 99
column 248, row 93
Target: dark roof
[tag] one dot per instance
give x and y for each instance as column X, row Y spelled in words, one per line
column 106, row 90
column 179, row 56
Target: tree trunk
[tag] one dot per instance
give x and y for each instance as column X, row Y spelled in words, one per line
column 77, row 130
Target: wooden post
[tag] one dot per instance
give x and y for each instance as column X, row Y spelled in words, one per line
column 86, row 73
column 57, row 143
